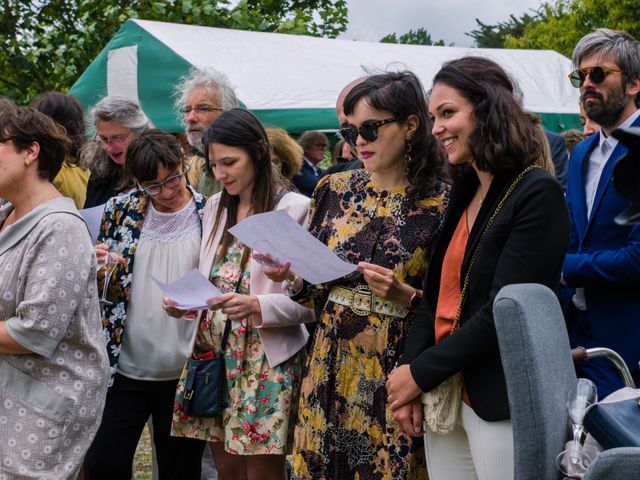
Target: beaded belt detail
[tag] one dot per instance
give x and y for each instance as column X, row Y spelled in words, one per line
column 362, row 302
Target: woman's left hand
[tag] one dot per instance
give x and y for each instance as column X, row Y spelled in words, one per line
column 236, row 306
column 401, row 387
column 384, row 283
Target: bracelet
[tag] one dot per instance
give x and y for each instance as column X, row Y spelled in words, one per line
column 414, row 301
column 289, row 287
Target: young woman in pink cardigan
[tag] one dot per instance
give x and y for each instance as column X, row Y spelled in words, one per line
column 264, row 352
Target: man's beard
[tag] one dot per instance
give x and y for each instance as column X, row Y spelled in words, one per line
column 195, row 140
column 606, row 113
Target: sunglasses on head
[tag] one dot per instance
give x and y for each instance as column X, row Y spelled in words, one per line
column 596, row 74
column 368, row 130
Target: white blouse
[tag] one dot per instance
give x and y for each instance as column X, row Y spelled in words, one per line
column 155, row 346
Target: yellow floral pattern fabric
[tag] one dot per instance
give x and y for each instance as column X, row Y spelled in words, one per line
column 345, row 429
column 261, row 400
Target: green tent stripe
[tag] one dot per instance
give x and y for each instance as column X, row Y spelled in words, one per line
column 160, row 68
column 559, row 122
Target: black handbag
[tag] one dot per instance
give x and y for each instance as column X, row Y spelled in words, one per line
column 205, row 383
column 615, row 424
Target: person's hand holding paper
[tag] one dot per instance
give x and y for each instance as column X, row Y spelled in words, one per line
column 190, row 292
column 284, row 244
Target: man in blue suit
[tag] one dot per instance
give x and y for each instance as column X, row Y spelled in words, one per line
column 602, row 267
column 314, row 144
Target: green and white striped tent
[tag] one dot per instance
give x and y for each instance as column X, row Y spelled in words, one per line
column 292, row 81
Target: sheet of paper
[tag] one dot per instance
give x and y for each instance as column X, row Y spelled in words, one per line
column 93, row 217
column 190, row 292
column 282, row 238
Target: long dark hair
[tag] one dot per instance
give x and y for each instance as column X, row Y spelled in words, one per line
column 402, row 95
column 505, row 138
column 240, row 128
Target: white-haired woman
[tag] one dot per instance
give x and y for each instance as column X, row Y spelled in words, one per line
column 117, row 121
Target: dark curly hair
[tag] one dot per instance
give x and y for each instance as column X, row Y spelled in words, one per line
column 505, row 138
column 402, row 95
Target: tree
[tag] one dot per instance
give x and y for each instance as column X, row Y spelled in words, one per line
column 494, row 36
column 47, row 44
column 566, row 21
column 419, row 37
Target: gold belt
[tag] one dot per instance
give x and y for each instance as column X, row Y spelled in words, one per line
column 362, row 302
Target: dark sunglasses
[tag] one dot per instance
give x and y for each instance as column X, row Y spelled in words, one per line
column 368, row 130
column 596, row 74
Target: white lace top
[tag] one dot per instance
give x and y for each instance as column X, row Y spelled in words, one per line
column 155, row 346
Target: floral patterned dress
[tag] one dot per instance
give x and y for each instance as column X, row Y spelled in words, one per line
column 262, row 400
column 345, row 429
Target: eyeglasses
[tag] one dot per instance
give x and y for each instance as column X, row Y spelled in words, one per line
column 368, row 130
column 114, row 140
column 199, row 109
column 596, row 74
column 170, row 183
column 323, row 146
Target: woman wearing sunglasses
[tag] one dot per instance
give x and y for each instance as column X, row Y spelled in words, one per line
column 384, row 218
column 265, row 346
column 506, row 223
column 159, row 225
column 117, row 121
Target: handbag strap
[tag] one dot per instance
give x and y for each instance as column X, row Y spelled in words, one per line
column 465, row 285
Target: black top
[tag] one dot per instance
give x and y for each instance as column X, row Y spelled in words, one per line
column 100, row 189
column 344, row 167
column 526, row 244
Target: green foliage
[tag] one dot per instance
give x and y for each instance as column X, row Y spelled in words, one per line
column 418, row 37
column 48, row 44
column 494, row 36
column 566, row 21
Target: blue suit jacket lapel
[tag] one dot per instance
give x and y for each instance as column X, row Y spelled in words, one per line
column 607, row 175
column 578, row 192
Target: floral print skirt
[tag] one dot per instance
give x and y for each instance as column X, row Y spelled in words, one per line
column 262, row 401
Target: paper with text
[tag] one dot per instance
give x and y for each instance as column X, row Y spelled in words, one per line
column 190, row 292
column 283, row 239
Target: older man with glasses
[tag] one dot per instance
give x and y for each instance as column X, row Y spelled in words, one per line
column 314, row 145
column 602, row 267
column 201, row 96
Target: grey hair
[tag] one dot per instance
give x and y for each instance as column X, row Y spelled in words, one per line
column 308, row 138
column 213, row 81
column 611, row 43
column 114, row 108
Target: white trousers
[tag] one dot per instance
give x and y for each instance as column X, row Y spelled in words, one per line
column 474, row 450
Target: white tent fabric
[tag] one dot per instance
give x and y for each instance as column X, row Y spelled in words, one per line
column 278, row 71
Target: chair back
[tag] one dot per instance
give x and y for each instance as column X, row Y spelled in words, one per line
column 539, row 374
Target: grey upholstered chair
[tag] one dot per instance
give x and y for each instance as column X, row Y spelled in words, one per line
column 539, row 373
column 615, row 464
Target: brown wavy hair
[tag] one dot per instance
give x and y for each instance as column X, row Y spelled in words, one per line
column 29, row 126
column 505, row 138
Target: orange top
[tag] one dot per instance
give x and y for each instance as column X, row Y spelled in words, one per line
column 450, row 292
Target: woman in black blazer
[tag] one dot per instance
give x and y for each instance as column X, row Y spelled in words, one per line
column 506, row 223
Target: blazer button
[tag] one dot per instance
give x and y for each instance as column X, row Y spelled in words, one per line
column 585, row 245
